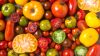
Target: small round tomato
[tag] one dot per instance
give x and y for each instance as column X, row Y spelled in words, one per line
column 46, row 5
column 68, row 52
column 3, row 44
column 1, row 36
column 57, row 46
column 42, row 54
column 59, row 9
column 52, row 52
column 66, row 30
column 19, row 11
column 43, row 42
column 98, row 30
column 2, row 25
column 19, row 29
column 58, row 36
column 45, row 33
column 67, row 43
column 3, row 53
column 45, row 25
column 48, row 15
column 10, row 44
column 23, row 21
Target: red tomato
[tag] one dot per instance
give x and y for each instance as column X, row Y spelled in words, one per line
column 3, row 44
column 9, row 31
column 1, row 15
column 45, row 33
column 10, row 44
column 66, row 30
column 57, row 46
column 94, row 50
column 68, row 52
column 3, row 53
column 81, row 24
column 59, row 9
column 98, row 30
column 72, row 7
column 81, row 14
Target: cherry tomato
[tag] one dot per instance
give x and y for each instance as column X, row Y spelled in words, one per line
column 2, row 25
column 9, row 31
column 98, row 30
column 66, row 30
column 43, row 42
column 94, row 50
column 67, row 43
column 68, row 52
column 42, row 54
column 45, row 33
column 57, row 46
column 3, row 44
column 10, row 44
column 47, row 5
column 3, row 53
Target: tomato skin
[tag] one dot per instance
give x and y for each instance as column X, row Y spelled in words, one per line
column 10, row 44
column 72, row 7
column 94, row 50
column 9, row 31
column 3, row 44
column 3, row 53
column 68, row 52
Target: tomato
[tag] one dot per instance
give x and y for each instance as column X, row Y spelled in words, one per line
column 81, row 24
column 70, row 22
column 45, row 25
column 19, row 30
column 94, row 50
column 81, row 14
column 89, row 37
column 68, row 52
column 10, row 44
column 80, row 51
column 23, row 21
column 71, row 37
column 58, row 47
column 3, row 44
column 33, row 10
column 9, row 31
column 76, row 32
column 98, row 30
column 45, row 33
column 2, row 25
column 22, row 41
column 3, row 53
column 67, row 30
column 52, row 52
column 43, row 42
column 72, row 4
column 66, row 43
column 59, row 9
column 58, row 36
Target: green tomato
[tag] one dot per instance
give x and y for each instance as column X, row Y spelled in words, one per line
column 8, row 9
column 52, row 52
column 58, row 36
column 12, row 53
column 45, row 25
column 80, row 51
column 70, row 22
column 1, row 36
column 23, row 21
column 24, row 54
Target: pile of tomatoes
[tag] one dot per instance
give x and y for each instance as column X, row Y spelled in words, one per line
column 48, row 28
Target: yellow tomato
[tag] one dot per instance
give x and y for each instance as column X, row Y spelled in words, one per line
column 21, row 2
column 89, row 37
column 33, row 10
column 24, row 43
column 92, row 20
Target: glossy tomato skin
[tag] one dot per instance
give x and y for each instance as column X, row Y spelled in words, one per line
column 72, row 4
column 3, row 44
column 68, row 52
column 9, row 31
column 2, row 25
column 10, row 44
column 3, row 53
column 98, row 30
column 94, row 50
column 59, row 9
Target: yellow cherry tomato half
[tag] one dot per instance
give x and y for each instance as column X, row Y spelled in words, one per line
column 24, row 43
column 89, row 37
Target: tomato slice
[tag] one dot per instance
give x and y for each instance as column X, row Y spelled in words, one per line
column 24, row 43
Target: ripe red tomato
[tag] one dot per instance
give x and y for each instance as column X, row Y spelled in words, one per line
column 94, row 50
column 57, row 46
column 59, row 9
column 3, row 53
column 3, row 44
column 45, row 33
column 98, row 30
column 68, row 52
column 10, row 44
column 66, row 30
column 2, row 25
